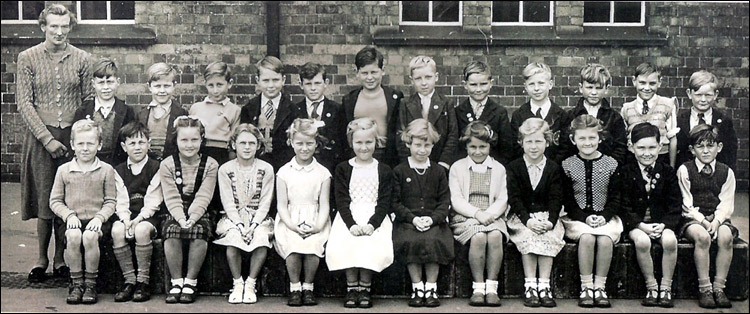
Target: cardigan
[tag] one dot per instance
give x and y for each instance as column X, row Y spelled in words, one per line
column 86, row 194
column 172, row 197
column 459, row 183
column 227, row 171
column 614, row 138
column 585, row 193
column 442, row 115
column 547, row 197
column 664, row 200
column 341, row 182
column 170, row 145
column 393, row 102
column 331, row 150
column 282, row 153
column 411, row 199
column 497, row 118
column 123, row 115
column 555, row 118
column 727, row 136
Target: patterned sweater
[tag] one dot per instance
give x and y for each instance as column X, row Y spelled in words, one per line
column 591, row 187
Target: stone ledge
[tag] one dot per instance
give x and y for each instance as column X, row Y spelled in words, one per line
column 82, row 34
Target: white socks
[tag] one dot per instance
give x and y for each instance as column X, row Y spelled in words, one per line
column 491, row 286
column 192, row 282
column 479, row 287
column 419, row 286
column 543, row 283
column 295, row 286
column 307, row 286
column 177, row 282
column 529, row 283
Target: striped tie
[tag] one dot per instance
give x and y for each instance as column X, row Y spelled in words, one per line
column 268, row 111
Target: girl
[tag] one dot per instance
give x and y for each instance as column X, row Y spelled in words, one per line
column 592, row 201
column 246, row 187
column 480, row 199
column 421, row 235
column 188, row 179
column 302, row 223
column 534, row 226
column 360, row 239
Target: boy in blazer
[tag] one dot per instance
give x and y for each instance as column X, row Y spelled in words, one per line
column 159, row 115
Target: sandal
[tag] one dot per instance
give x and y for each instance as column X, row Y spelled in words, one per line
column 37, row 275
column 188, row 297
column 173, row 297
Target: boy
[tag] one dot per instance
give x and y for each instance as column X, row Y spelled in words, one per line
column 707, row 188
column 652, row 213
column 594, row 87
column 271, row 111
column 435, row 108
column 537, row 83
column 703, row 92
column 141, row 220
column 159, row 115
column 376, row 101
column 650, row 107
column 478, row 82
column 109, row 112
column 84, row 196
column 328, row 115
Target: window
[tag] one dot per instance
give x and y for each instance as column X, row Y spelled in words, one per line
column 614, row 13
column 21, row 12
column 106, row 12
column 527, row 13
column 430, row 13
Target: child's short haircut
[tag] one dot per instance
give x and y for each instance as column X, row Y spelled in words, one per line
column 646, row 69
column 309, row 70
column 703, row 133
column 703, row 77
column 269, row 63
column 476, row 67
column 420, row 62
column 365, row 124
column 133, row 129
column 217, row 68
column 533, row 125
column 585, row 121
column 84, row 125
column 422, row 129
column 535, row 68
column 595, row 73
column 249, row 128
column 104, row 67
column 57, row 9
column 481, row 130
column 160, row 70
column 304, row 126
column 188, row 122
column 644, row 130
column 368, row 55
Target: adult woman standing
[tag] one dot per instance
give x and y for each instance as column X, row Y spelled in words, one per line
column 53, row 80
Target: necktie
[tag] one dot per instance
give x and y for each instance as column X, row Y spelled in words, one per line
column 268, row 110
column 701, row 119
column 314, row 114
column 649, row 170
column 539, row 113
column 649, row 174
column 478, row 110
column 645, row 107
column 707, row 170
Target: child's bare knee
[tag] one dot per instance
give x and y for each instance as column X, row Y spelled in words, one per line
column 479, row 239
column 726, row 238
column 118, row 230
column 642, row 242
column 143, row 232
column 90, row 238
column 73, row 236
column 605, row 241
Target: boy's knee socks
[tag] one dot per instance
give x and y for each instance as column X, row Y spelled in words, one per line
column 143, row 257
column 90, row 278
column 76, row 277
column 125, row 259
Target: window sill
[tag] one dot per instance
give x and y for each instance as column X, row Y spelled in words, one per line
column 517, row 36
column 86, row 34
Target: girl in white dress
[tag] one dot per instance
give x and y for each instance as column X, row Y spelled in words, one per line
column 246, row 189
column 302, row 222
column 360, row 239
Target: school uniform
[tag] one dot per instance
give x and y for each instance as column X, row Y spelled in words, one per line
column 688, row 119
column 707, row 194
column 110, row 122
column 441, row 113
column 274, row 128
column 332, row 130
column 555, row 117
column 496, row 117
column 661, row 113
column 388, row 154
column 653, row 196
column 614, row 136
column 161, row 128
column 144, row 191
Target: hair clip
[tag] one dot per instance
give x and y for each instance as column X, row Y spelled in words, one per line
column 191, row 117
column 489, row 130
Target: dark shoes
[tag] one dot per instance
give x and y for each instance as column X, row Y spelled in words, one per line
column 89, row 294
column 430, row 298
column 188, row 297
column 545, row 298
column 706, row 300
column 295, row 298
column 351, row 299
column 126, row 294
column 37, row 275
column 652, row 298
column 61, row 272
column 492, row 299
column 142, row 292
column 173, row 297
column 665, row 299
column 601, row 299
column 417, row 300
column 365, row 301
column 477, row 299
column 587, row 298
column 75, row 294
column 531, row 298
column 721, row 299
column 308, row 298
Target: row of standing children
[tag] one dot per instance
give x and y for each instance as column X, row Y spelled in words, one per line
column 421, row 232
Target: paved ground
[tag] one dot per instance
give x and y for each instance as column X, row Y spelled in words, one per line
column 19, row 253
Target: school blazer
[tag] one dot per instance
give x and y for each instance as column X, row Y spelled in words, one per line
column 555, row 117
column 285, row 115
column 727, row 136
column 459, row 181
column 175, row 110
column 123, row 115
column 525, row 200
column 497, row 117
column 442, row 115
column 664, row 199
column 614, row 141
column 393, row 102
column 331, row 150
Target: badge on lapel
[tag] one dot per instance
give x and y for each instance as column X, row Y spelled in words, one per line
column 408, row 180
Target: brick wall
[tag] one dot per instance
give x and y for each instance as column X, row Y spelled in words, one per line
column 709, row 36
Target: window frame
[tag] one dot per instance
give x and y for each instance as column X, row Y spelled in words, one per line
column 429, row 16
column 20, row 19
column 108, row 21
column 551, row 21
column 612, row 22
